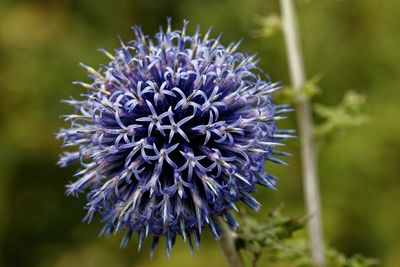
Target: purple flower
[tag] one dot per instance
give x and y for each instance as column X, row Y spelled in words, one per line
column 170, row 134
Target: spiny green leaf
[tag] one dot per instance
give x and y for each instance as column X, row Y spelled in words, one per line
column 307, row 91
column 275, row 239
column 347, row 114
column 268, row 25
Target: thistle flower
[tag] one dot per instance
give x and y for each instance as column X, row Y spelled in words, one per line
column 170, row 134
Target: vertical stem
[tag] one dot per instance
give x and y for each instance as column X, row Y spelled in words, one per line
column 305, row 125
column 228, row 246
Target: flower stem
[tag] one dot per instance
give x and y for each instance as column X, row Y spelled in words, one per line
column 228, row 246
column 305, row 125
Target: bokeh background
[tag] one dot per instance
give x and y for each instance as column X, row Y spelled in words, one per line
column 351, row 44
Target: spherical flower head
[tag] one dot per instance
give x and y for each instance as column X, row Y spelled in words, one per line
column 170, row 134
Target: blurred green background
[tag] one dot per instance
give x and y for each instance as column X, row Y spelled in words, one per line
column 352, row 44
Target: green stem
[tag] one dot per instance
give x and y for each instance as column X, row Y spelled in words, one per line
column 228, row 246
column 305, row 125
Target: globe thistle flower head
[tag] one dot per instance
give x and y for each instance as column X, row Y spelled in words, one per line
column 170, row 134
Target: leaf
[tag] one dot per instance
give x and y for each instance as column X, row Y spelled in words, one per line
column 275, row 238
column 268, row 25
column 307, row 91
column 348, row 114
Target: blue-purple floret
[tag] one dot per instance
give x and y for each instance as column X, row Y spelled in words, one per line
column 170, row 134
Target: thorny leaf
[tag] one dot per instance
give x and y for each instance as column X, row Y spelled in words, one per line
column 309, row 89
column 347, row 114
column 255, row 236
column 268, row 25
column 275, row 238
